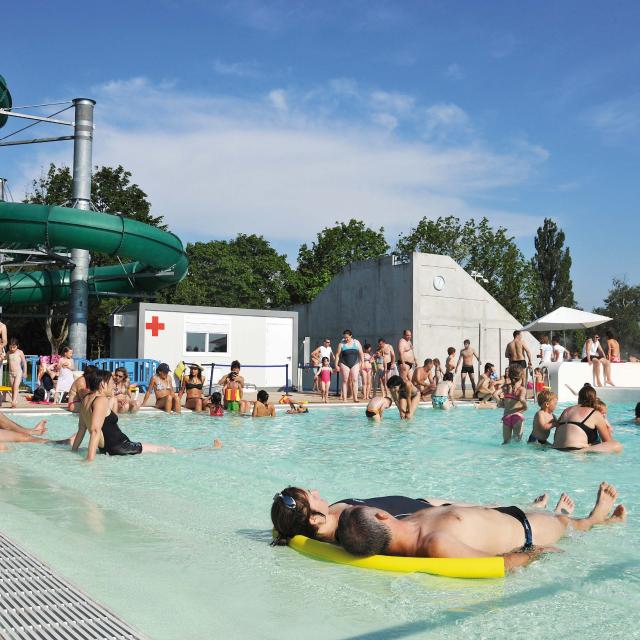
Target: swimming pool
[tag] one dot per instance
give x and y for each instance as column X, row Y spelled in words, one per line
column 178, row 544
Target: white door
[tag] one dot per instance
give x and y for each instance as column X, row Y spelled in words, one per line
column 278, row 350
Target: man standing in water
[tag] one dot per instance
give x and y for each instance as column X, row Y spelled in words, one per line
column 467, row 354
column 406, row 355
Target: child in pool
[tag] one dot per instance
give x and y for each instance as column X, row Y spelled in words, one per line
column 215, row 406
column 376, row 407
column 17, row 369
column 544, row 420
column 514, row 402
column 601, row 406
column 442, row 397
column 233, row 393
column 538, row 380
column 638, row 413
column 261, row 407
column 296, row 408
column 325, row 379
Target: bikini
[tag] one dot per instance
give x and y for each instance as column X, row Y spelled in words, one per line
column 193, row 385
column 398, row 506
column 512, row 419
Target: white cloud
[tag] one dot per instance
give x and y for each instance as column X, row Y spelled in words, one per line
column 218, row 165
column 400, row 103
column 278, row 98
column 616, row 118
column 238, row 69
column 385, row 120
column 444, row 120
column 454, row 71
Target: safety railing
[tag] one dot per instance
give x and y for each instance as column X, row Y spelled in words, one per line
column 211, row 366
column 140, row 370
column 306, row 367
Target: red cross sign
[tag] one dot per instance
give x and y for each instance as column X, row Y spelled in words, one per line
column 155, row 325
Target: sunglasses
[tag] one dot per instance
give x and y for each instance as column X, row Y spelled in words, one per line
column 287, row 501
column 118, row 375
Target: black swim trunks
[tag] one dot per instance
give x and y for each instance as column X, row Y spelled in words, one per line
column 467, row 368
column 397, row 506
column 520, row 516
column 532, row 440
column 370, row 414
column 522, row 363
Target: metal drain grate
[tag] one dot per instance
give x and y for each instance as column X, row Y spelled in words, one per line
column 35, row 604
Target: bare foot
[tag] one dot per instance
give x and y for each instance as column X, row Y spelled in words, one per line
column 217, row 444
column 607, row 495
column 14, row 405
column 619, row 514
column 565, row 505
column 541, row 501
column 40, row 428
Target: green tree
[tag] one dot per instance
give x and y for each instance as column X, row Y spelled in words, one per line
column 477, row 246
column 111, row 191
column 552, row 266
column 623, row 305
column 335, row 248
column 245, row 272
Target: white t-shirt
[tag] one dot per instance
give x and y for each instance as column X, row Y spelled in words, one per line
column 547, row 351
column 559, row 351
column 325, row 352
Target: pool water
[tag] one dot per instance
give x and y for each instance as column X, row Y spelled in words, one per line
column 178, row 544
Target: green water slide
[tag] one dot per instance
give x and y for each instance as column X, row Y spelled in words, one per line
column 159, row 259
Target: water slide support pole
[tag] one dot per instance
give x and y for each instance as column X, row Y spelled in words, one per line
column 82, row 159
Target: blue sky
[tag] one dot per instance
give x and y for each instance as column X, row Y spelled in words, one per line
column 279, row 118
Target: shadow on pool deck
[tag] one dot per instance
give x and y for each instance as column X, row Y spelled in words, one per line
column 452, row 617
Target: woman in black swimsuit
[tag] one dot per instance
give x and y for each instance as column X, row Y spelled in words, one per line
column 97, row 417
column 583, row 428
column 193, row 384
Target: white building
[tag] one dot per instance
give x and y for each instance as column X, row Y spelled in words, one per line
column 429, row 294
column 206, row 335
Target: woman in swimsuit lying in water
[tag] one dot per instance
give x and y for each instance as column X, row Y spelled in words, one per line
column 305, row 512
column 583, row 428
column 97, row 416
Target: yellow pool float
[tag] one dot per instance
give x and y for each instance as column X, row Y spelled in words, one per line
column 450, row 567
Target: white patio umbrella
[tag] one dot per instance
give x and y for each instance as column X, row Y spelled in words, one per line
column 565, row 318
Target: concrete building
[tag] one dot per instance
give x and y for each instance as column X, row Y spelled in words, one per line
column 204, row 335
column 429, row 294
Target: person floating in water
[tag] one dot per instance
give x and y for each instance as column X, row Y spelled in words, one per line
column 297, row 511
column 471, row 532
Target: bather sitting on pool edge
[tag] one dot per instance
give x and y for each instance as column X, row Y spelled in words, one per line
column 470, row 532
column 297, row 511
